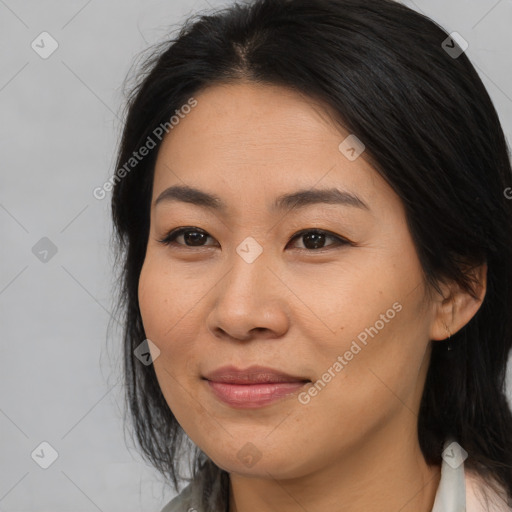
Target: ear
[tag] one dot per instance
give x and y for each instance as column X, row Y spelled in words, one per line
column 456, row 307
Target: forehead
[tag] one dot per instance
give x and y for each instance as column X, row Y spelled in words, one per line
column 246, row 140
column 231, row 117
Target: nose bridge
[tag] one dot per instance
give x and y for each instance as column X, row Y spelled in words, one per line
column 247, row 296
column 249, row 268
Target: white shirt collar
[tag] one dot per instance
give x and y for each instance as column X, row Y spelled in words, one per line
column 451, row 493
column 463, row 491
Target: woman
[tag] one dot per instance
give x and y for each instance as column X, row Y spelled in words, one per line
column 315, row 234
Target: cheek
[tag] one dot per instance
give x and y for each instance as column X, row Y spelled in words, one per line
column 169, row 306
column 378, row 382
column 344, row 305
column 381, row 363
column 165, row 300
column 377, row 343
column 168, row 321
column 152, row 300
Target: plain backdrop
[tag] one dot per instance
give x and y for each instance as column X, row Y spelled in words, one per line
column 60, row 119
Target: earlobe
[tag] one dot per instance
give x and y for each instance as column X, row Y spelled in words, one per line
column 457, row 306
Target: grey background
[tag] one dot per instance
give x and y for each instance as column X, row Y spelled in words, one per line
column 60, row 123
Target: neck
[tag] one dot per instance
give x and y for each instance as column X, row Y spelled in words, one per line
column 380, row 474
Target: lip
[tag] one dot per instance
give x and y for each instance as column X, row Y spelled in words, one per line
column 251, row 396
column 252, row 375
column 253, row 387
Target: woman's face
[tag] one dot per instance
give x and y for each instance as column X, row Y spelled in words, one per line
column 344, row 307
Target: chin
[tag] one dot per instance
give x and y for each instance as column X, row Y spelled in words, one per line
column 251, row 463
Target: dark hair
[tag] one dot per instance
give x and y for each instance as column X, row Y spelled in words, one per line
column 430, row 130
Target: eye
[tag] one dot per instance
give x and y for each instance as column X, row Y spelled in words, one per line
column 313, row 239
column 192, row 235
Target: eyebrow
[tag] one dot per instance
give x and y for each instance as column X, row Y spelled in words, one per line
column 291, row 201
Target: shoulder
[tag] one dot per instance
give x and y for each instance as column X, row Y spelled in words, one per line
column 188, row 500
column 206, row 492
column 481, row 497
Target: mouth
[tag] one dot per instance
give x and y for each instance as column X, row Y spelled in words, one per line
column 253, row 387
column 252, row 375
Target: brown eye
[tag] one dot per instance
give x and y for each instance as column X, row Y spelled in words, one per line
column 314, row 239
column 192, row 237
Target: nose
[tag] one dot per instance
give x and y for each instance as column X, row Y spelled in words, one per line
column 250, row 301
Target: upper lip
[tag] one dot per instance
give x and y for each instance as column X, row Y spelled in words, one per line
column 251, row 375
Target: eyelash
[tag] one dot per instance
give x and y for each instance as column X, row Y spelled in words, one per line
column 172, row 235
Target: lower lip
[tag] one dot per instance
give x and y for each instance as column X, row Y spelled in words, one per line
column 248, row 396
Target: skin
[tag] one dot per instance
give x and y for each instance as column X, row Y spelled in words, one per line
column 354, row 446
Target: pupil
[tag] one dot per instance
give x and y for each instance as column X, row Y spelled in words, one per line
column 317, row 239
column 193, row 239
